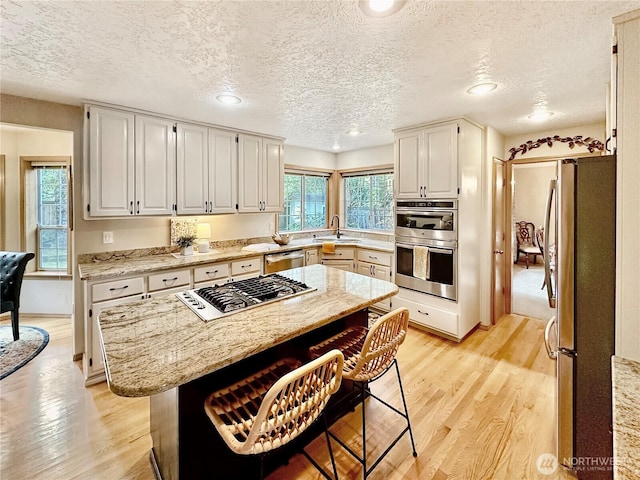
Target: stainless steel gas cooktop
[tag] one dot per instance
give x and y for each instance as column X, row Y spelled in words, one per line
column 221, row 300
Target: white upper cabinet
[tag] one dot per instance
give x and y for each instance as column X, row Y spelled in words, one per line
column 260, row 174
column 426, row 162
column 111, row 163
column 192, row 169
column 155, row 166
column 273, row 176
column 131, row 164
column 223, row 174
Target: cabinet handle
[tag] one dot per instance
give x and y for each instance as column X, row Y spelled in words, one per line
column 420, row 192
column 210, row 207
column 170, row 279
column 373, row 256
column 423, row 313
column 246, row 266
column 131, row 207
column 113, row 289
column 212, row 273
column 138, row 207
column 205, row 208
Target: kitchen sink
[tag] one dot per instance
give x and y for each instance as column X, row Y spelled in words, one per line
column 342, row 239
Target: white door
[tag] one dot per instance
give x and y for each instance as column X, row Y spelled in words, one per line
column 192, row 169
column 441, row 152
column 273, row 176
column 249, row 173
column 497, row 279
column 223, row 176
column 111, row 163
column 155, row 166
column 407, row 174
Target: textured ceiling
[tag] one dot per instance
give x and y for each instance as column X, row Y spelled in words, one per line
column 310, row 70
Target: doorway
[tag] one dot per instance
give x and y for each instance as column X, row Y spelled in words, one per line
column 529, row 185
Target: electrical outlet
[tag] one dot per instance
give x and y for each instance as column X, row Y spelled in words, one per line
column 107, row 237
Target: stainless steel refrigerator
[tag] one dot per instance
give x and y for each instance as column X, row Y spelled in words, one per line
column 580, row 282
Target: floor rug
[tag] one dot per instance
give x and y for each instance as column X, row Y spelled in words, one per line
column 14, row 355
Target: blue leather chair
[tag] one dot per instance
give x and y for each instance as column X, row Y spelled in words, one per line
column 12, row 266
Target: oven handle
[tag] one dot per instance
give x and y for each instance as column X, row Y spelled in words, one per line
column 431, row 249
column 431, row 212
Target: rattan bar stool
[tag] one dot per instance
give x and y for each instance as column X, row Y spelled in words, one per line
column 272, row 407
column 369, row 354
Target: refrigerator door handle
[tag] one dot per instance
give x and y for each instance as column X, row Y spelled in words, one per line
column 547, row 257
column 553, row 354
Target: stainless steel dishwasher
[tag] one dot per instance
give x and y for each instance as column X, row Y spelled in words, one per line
column 276, row 262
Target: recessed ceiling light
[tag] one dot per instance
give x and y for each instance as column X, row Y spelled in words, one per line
column 228, row 99
column 353, row 132
column 540, row 116
column 482, row 88
column 380, row 5
column 336, row 147
column 380, row 8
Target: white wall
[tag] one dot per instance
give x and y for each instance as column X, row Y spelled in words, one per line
column 628, row 191
column 53, row 296
column 558, row 149
column 305, row 157
column 366, row 157
column 531, row 185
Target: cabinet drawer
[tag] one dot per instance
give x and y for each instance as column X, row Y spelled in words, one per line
column 341, row 253
column 175, row 278
column 117, row 289
column 435, row 318
column 216, row 271
column 249, row 265
column 373, row 256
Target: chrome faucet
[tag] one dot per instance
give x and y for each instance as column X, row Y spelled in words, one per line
column 331, row 225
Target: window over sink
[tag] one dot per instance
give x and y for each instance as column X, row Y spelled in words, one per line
column 305, row 201
column 368, row 200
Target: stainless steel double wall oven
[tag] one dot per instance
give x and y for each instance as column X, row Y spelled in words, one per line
column 432, row 225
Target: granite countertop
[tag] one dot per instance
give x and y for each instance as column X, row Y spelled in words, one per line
column 153, row 345
column 626, row 418
column 125, row 265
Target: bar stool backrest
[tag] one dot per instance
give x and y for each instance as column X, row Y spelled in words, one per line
column 380, row 345
column 291, row 405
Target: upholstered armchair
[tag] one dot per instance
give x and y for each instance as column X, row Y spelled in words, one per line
column 12, row 266
column 525, row 236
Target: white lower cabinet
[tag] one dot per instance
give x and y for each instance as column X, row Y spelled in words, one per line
column 376, row 264
column 169, row 279
column 343, row 258
column 432, row 317
column 310, row 256
column 208, row 275
column 247, row 268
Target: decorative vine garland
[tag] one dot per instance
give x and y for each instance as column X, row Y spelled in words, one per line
column 592, row 144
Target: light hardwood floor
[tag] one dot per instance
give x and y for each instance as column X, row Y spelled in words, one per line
column 481, row 409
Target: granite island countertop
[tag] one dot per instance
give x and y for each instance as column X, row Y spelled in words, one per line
column 126, row 265
column 153, row 345
column 626, row 418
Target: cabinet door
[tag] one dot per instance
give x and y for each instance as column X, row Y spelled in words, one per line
column 223, row 175
column 381, row 272
column 155, row 166
column 249, row 173
column 364, row 268
column 441, row 147
column 311, row 256
column 192, row 169
column 346, row 265
column 408, row 171
column 111, row 163
column 273, row 176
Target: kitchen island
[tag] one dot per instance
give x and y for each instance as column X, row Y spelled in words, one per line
column 160, row 348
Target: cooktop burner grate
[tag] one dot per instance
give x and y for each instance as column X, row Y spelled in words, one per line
column 220, row 300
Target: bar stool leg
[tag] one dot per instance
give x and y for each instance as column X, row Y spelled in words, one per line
column 364, row 433
column 406, row 410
